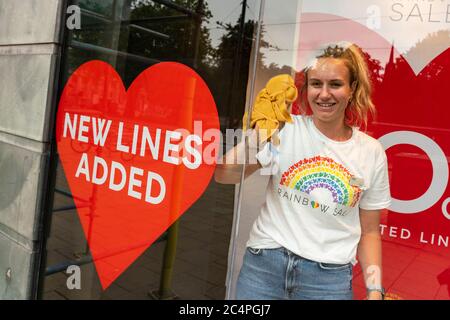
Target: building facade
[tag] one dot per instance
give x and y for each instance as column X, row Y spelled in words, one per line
column 140, row 69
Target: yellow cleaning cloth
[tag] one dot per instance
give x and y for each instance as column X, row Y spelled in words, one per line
column 270, row 107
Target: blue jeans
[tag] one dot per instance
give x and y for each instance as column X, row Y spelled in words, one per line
column 276, row 274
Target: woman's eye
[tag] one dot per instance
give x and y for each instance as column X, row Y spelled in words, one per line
column 315, row 84
column 336, row 85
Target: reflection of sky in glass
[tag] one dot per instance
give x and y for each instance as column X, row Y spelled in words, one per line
column 279, row 21
column 228, row 12
column 417, row 20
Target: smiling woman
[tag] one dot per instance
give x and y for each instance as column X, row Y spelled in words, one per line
column 326, row 165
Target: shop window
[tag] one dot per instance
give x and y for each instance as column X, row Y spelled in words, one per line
column 189, row 260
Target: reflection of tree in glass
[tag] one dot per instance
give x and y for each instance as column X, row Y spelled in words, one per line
column 189, row 38
column 375, row 68
column 93, row 30
column 232, row 59
column 178, row 31
column 142, row 29
column 103, row 7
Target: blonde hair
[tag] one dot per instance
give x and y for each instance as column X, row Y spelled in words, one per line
column 361, row 104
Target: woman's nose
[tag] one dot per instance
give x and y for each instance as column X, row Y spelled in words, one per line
column 324, row 92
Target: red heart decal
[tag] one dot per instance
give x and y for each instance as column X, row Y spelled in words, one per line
column 135, row 160
column 405, row 102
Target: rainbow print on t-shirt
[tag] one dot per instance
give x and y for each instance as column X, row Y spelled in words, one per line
column 322, row 172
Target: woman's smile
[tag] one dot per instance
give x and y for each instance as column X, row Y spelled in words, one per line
column 325, row 107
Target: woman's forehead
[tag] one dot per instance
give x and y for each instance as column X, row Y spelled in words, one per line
column 329, row 69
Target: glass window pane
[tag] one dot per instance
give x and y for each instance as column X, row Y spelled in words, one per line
column 406, row 47
column 189, row 260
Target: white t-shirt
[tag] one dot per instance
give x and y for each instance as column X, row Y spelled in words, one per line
column 315, row 192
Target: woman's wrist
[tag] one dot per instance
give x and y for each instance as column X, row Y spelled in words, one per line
column 375, row 293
